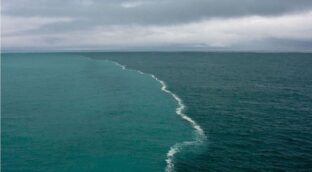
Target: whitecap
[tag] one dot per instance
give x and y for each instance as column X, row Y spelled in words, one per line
column 200, row 136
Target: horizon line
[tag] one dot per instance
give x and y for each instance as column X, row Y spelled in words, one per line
column 154, row 51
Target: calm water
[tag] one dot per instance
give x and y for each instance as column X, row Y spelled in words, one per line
column 63, row 112
column 69, row 112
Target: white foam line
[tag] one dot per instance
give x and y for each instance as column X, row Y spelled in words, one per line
column 200, row 136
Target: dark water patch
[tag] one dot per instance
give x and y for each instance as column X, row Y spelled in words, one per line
column 254, row 107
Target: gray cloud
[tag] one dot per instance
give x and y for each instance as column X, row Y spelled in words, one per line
column 149, row 23
column 151, row 12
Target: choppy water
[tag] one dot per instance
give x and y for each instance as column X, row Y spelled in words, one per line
column 80, row 112
column 255, row 108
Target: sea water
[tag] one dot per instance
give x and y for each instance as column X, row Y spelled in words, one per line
column 255, row 108
column 178, row 111
column 65, row 112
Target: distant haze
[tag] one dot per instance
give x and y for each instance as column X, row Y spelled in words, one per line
column 259, row 25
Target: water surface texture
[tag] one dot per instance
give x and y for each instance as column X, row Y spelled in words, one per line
column 64, row 112
column 80, row 112
column 255, row 108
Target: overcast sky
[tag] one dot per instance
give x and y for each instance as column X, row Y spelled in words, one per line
column 269, row 25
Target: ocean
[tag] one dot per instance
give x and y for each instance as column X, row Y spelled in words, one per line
column 156, row 111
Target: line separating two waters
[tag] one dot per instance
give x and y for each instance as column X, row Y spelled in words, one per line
column 200, row 136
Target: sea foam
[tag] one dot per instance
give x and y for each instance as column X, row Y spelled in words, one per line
column 200, row 136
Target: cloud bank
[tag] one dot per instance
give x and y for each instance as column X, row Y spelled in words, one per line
column 140, row 25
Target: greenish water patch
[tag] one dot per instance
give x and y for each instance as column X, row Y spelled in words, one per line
column 64, row 112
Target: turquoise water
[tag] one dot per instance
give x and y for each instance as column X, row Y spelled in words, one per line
column 65, row 112
column 80, row 112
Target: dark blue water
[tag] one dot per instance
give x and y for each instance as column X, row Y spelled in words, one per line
column 79, row 112
column 256, row 108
